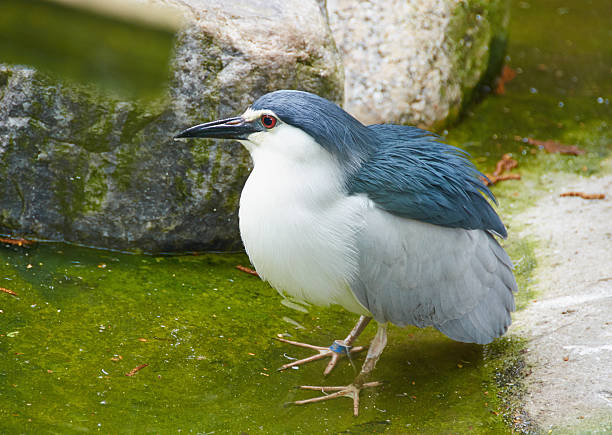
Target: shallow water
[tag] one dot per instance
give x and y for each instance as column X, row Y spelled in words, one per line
column 85, row 318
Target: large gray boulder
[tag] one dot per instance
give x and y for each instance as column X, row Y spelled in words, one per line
column 417, row 61
column 81, row 166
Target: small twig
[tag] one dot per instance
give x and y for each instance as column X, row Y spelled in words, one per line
column 247, row 270
column 17, row 242
column 506, row 75
column 492, row 179
column 10, row 292
column 507, row 163
column 136, row 370
column 585, row 195
column 552, row 146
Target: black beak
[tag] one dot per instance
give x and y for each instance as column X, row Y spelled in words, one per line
column 230, row 128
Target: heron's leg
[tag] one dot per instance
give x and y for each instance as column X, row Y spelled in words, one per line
column 376, row 348
column 338, row 349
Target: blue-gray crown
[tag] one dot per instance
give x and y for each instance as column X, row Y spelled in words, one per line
column 334, row 129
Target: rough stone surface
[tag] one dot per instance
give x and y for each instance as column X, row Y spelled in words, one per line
column 80, row 166
column 569, row 325
column 416, row 61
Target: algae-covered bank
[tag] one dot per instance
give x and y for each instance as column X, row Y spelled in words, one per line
column 99, row 341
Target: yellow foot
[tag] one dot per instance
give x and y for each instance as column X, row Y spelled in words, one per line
column 351, row 391
column 335, row 351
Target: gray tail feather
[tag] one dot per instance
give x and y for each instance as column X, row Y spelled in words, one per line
column 489, row 320
column 491, row 317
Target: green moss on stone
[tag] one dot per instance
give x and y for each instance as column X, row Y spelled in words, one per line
column 197, row 178
column 70, row 168
column 95, row 188
column 477, row 37
column 8, row 221
column 127, row 160
column 181, row 189
column 200, row 151
column 5, row 74
column 316, row 74
column 506, row 369
column 522, row 252
column 215, row 168
column 330, row 87
column 209, row 54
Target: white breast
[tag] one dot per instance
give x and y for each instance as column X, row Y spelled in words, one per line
column 299, row 228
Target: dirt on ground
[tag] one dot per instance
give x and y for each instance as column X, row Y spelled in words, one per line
column 569, row 323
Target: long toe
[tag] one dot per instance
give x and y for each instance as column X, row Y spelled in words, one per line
column 351, row 391
column 305, row 360
column 337, row 350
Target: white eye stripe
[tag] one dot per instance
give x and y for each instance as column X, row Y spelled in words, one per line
column 252, row 115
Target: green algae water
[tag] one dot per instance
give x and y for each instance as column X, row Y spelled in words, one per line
column 98, row 341
column 83, row 320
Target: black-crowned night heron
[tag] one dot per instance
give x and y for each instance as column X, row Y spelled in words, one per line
column 383, row 220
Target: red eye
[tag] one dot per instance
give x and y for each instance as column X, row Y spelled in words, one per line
column 268, row 121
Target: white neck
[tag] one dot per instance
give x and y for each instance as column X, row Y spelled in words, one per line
column 296, row 221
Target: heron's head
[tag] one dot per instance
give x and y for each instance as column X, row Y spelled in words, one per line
column 296, row 124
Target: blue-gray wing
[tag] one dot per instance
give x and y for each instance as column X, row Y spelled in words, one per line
column 413, row 175
column 411, row 272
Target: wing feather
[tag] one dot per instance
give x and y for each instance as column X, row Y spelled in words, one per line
column 414, row 175
column 411, row 272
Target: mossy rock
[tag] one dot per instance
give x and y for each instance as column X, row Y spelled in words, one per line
column 79, row 163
